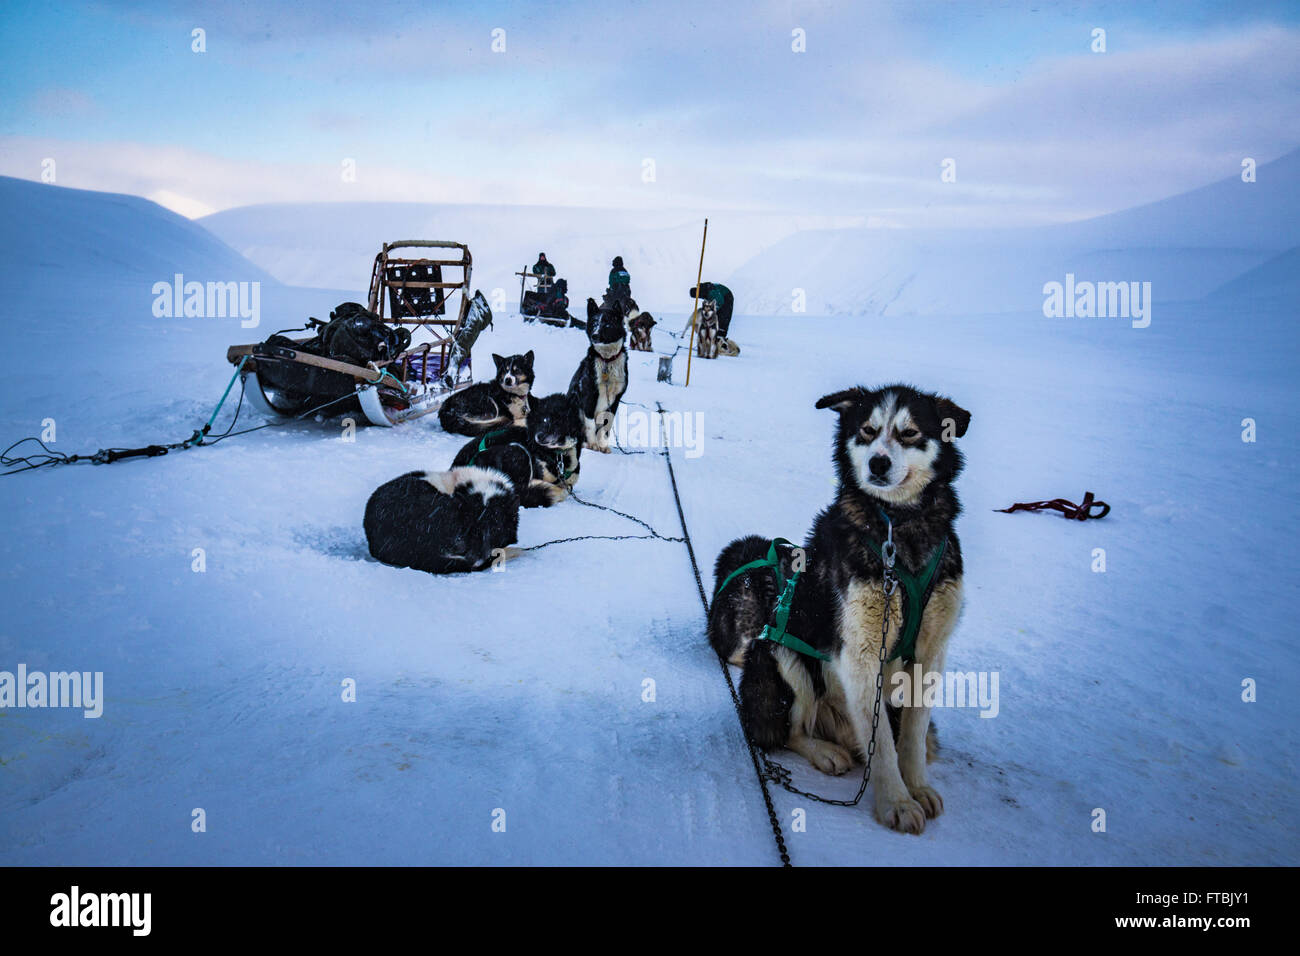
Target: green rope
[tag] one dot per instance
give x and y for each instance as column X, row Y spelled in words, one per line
column 198, row 436
column 384, row 373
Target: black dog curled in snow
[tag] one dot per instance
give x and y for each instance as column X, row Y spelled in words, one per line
column 600, row 381
column 480, row 408
column 443, row 521
column 896, row 462
column 542, row 467
column 744, row 599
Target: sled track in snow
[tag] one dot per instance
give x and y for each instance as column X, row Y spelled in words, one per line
column 731, row 685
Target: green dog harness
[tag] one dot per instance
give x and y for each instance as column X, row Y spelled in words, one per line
column 776, row 630
column 916, row 589
column 489, row 440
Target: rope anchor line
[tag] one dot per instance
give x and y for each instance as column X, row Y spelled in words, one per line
column 199, row 439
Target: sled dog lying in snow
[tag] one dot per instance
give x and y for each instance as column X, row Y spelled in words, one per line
column 442, row 521
column 896, row 463
column 503, row 401
column 541, row 460
column 600, row 381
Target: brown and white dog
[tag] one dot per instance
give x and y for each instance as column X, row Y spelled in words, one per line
column 896, row 461
column 706, row 330
column 640, row 324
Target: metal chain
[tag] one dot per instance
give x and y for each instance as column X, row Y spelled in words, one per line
column 781, row 775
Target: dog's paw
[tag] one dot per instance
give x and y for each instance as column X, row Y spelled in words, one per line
column 928, row 798
column 829, row 757
column 904, row 815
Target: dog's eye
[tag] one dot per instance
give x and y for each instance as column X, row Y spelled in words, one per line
column 868, row 433
column 908, row 434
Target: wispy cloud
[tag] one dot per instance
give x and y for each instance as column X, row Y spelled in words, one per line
column 586, row 98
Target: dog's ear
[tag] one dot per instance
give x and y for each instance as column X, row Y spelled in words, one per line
column 950, row 411
column 500, row 362
column 528, row 358
column 592, row 308
column 842, row 401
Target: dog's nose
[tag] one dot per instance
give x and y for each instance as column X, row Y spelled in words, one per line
column 879, row 465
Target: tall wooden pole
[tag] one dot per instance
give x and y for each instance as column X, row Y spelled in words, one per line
column 695, row 311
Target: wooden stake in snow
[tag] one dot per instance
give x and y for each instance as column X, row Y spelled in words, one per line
column 696, row 311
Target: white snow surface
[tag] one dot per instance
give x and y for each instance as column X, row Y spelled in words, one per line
column 522, row 691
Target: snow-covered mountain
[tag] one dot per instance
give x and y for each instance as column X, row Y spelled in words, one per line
column 78, row 234
column 1185, row 246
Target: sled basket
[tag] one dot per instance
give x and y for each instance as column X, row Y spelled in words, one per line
column 284, row 376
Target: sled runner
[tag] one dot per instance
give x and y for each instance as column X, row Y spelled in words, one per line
column 362, row 360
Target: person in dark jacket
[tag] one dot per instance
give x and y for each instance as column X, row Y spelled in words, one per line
column 722, row 298
column 545, row 273
column 620, row 282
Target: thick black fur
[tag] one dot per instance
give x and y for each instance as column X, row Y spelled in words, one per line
column 739, row 613
column 837, row 552
column 509, row 453
column 606, row 326
column 410, row 523
column 480, row 408
column 555, row 439
column 518, row 454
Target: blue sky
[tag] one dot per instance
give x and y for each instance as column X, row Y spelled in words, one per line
column 1040, row 127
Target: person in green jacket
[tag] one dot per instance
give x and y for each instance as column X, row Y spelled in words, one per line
column 620, row 282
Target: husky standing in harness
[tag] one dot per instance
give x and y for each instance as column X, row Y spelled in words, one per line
column 882, row 589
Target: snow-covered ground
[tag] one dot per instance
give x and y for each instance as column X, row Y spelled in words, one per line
column 523, row 691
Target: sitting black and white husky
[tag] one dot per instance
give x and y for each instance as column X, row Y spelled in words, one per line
column 555, row 433
column 480, row 408
column 600, row 381
column 443, row 521
column 896, row 461
column 541, row 460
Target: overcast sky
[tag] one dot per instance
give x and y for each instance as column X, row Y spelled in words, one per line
column 1040, row 127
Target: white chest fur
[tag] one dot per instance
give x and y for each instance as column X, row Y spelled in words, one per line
column 611, row 380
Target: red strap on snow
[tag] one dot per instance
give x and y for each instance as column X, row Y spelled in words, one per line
column 1079, row 512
